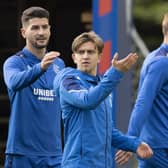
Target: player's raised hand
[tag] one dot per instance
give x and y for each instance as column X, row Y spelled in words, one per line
column 125, row 63
column 48, row 59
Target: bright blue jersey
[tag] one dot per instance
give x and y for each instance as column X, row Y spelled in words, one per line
column 149, row 118
column 86, row 104
column 34, row 127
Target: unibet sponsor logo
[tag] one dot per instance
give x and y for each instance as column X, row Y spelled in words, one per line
column 44, row 94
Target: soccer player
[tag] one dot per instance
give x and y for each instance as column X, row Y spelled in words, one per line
column 149, row 118
column 86, row 104
column 34, row 137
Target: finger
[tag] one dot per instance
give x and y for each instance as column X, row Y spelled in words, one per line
column 122, row 160
column 54, row 53
column 119, row 158
column 122, row 157
column 130, row 61
column 51, row 55
column 115, row 57
column 132, row 57
column 120, row 153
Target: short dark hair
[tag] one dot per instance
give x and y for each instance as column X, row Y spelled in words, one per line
column 34, row 12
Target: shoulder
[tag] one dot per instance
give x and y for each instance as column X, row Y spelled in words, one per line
column 159, row 61
column 72, row 80
column 157, row 64
column 64, row 78
column 62, row 74
column 13, row 59
column 67, row 73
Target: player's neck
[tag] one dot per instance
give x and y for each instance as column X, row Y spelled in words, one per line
column 165, row 40
column 39, row 53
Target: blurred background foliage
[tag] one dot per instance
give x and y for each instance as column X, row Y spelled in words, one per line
column 147, row 16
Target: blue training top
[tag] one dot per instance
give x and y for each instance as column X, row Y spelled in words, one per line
column 86, row 104
column 34, row 127
column 149, row 118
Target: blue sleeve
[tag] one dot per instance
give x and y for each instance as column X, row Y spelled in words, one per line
column 73, row 91
column 155, row 77
column 124, row 142
column 17, row 75
column 58, row 64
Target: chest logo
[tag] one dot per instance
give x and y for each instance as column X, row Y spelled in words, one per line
column 56, row 68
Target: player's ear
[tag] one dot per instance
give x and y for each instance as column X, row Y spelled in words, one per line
column 100, row 56
column 74, row 58
column 22, row 30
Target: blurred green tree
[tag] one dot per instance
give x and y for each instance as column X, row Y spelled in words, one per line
column 147, row 15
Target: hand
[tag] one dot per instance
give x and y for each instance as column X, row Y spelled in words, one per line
column 144, row 151
column 48, row 59
column 124, row 64
column 121, row 157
